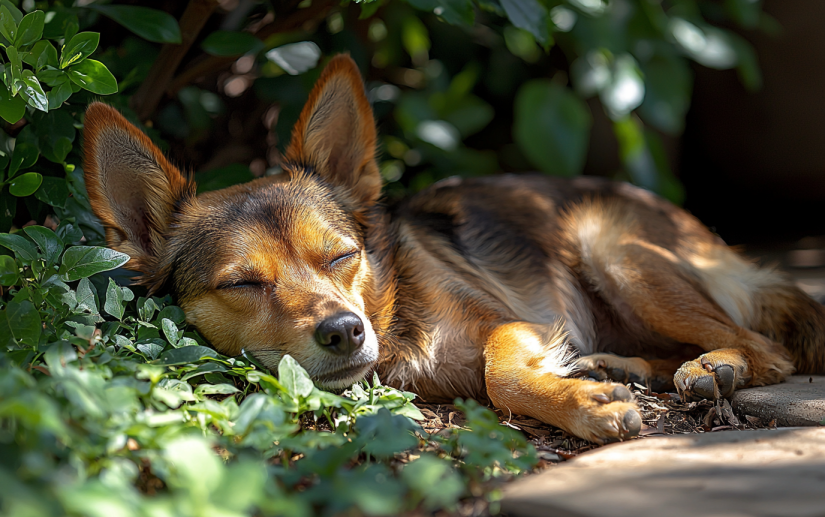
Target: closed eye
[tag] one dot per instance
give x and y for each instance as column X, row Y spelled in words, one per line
column 343, row 258
column 239, row 284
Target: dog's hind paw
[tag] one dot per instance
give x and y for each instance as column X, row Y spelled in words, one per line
column 713, row 375
column 602, row 367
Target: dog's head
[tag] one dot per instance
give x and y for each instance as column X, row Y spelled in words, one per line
column 274, row 266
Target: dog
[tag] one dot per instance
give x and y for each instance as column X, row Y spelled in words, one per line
column 505, row 289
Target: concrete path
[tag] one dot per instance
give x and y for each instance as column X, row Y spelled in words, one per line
column 799, row 401
column 777, row 473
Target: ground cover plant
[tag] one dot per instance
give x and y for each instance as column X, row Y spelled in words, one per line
column 110, row 405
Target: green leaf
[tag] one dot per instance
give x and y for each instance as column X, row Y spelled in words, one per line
column 34, row 92
column 14, row 57
column 230, row 43
column 23, row 320
column 53, row 77
column 294, row 378
column 531, row 16
column 368, row 8
column 414, row 36
column 84, row 261
column 434, row 480
column 82, row 45
column 16, row 14
column 385, row 434
column 93, row 76
column 53, row 191
column 116, row 298
column 60, row 294
column 24, row 156
column 59, row 95
column 22, row 248
column 552, row 127
column 9, row 271
column 170, row 330
column 295, row 58
column 625, row 90
column 8, row 27
column 150, row 24
column 173, row 313
column 25, row 184
column 186, row 355
column 30, row 29
column 55, row 132
column 12, row 109
column 151, row 347
column 455, row 12
column 87, row 297
column 42, row 54
column 668, row 82
column 49, row 243
column 215, row 389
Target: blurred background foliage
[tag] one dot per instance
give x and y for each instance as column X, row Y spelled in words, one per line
column 110, row 405
column 459, row 87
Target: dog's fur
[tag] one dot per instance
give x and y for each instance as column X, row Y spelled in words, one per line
column 497, row 288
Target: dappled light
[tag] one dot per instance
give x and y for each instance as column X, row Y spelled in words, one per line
column 411, row 258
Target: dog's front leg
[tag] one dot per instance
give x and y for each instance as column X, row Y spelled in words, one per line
column 523, row 367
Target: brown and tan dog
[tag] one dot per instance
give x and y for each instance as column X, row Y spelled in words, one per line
column 498, row 288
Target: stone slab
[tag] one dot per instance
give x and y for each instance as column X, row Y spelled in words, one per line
column 761, row 473
column 799, row 401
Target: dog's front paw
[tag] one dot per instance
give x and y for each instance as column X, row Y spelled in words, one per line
column 713, row 375
column 606, row 413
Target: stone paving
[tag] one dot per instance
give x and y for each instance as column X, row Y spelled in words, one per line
column 770, row 473
column 800, row 401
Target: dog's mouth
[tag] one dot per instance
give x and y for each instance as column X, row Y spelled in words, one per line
column 344, row 377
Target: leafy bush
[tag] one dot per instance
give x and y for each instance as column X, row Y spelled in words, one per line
column 109, row 404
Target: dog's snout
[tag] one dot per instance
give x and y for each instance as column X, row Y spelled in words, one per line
column 341, row 334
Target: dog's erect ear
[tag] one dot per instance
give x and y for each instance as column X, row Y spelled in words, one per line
column 336, row 133
column 133, row 189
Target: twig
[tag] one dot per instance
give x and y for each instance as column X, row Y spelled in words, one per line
column 284, row 22
column 148, row 96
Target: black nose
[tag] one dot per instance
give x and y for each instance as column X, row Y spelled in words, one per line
column 341, row 334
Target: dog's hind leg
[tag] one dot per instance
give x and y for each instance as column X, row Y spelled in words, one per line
column 656, row 374
column 524, row 365
column 658, row 294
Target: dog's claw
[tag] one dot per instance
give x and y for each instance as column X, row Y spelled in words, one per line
column 631, row 423
column 601, row 397
column 713, row 375
column 621, row 393
column 725, row 378
column 705, row 387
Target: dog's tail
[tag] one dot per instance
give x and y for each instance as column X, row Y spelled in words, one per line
column 784, row 313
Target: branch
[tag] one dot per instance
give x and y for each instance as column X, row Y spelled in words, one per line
column 289, row 22
column 150, row 92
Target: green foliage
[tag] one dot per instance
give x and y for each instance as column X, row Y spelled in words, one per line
column 124, row 414
column 109, row 404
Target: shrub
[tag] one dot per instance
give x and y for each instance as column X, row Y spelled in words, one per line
column 109, row 404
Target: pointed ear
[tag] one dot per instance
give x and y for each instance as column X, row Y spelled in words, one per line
column 336, row 133
column 132, row 187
